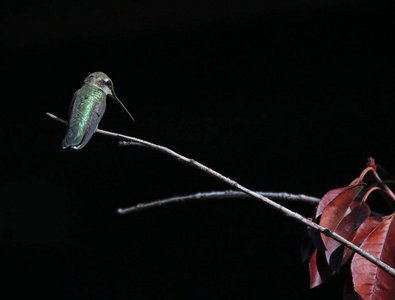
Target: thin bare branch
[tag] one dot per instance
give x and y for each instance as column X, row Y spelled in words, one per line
column 285, row 211
column 217, row 195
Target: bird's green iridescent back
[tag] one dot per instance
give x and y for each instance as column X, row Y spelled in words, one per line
column 86, row 111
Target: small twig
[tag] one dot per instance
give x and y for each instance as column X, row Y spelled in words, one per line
column 285, row 211
column 217, row 195
column 382, row 184
column 224, row 195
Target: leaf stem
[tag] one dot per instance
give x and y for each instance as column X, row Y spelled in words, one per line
column 386, row 189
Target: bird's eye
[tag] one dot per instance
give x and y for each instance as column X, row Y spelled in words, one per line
column 108, row 82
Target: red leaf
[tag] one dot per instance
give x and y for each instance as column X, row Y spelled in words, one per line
column 371, row 282
column 359, row 213
column 319, row 269
column 359, row 235
column 316, row 237
column 335, row 211
column 328, row 198
column 348, row 291
column 307, row 247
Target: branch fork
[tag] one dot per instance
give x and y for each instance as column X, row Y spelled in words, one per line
column 127, row 140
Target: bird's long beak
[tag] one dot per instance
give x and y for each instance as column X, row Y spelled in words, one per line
column 116, row 98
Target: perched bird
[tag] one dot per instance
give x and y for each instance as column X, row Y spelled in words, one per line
column 87, row 109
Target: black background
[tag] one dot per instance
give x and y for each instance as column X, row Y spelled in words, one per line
column 291, row 96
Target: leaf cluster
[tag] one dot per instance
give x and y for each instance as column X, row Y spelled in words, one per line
column 345, row 211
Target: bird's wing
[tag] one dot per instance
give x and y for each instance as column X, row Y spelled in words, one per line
column 94, row 120
column 86, row 110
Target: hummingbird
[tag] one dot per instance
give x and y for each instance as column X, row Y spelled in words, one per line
column 87, row 109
